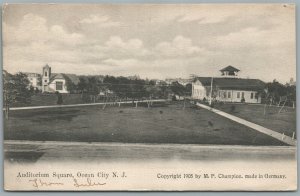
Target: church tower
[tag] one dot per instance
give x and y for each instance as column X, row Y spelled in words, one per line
column 46, row 77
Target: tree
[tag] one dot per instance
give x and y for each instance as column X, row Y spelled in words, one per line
column 9, row 95
column 71, row 87
column 39, row 80
column 188, row 89
column 153, row 91
column 20, row 85
column 291, row 94
column 124, row 87
column 138, row 88
column 165, row 90
column 276, row 90
column 93, row 87
column 15, row 89
column 82, row 85
column 178, row 89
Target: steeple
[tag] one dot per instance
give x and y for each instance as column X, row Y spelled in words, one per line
column 46, row 77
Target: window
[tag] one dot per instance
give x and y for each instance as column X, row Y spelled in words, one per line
column 256, row 95
column 224, row 94
column 251, row 95
column 243, row 95
column 45, row 80
column 229, row 94
column 59, row 85
column 238, row 95
column 45, row 73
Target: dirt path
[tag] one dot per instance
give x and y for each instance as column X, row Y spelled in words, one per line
column 84, row 104
column 40, row 151
column 274, row 134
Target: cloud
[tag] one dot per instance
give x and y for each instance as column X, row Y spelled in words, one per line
column 33, row 40
column 33, row 28
column 154, row 68
column 117, row 42
column 126, row 63
column 207, row 16
column 115, row 46
column 180, row 46
column 156, row 41
column 253, row 38
column 102, row 21
column 57, row 33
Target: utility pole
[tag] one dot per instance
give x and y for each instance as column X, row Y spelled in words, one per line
column 211, row 86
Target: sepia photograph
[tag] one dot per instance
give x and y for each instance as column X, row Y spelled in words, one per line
column 149, row 97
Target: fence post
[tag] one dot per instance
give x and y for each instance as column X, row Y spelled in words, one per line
column 293, row 104
column 282, row 137
column 7, row 112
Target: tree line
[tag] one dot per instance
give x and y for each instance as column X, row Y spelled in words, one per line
column 123, row 87
column 277, row 91
column 16, row 88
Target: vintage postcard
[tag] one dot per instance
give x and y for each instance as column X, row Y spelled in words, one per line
column 149, row 97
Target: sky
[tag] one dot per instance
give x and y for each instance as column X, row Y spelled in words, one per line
column 152, row 41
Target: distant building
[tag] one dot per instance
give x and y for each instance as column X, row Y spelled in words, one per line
column 135, row 77
column 228, row 87
column 160, row 82
column 52, row 82
column 181, row 81
column 34, row 80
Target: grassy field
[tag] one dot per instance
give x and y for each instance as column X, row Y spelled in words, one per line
column 47, row 99
column 50, row 99
column 284, row 122
column 159, row 124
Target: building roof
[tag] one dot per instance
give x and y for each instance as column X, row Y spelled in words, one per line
column 232, row 83
column 72, row 77
column 230, row 69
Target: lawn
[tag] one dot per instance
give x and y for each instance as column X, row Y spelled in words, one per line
column 41, row 99
column 164, row 123
column 46, row 99
column 283, row 122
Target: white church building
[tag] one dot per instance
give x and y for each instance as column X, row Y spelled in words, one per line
column 56, row 82
column 228, row 88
